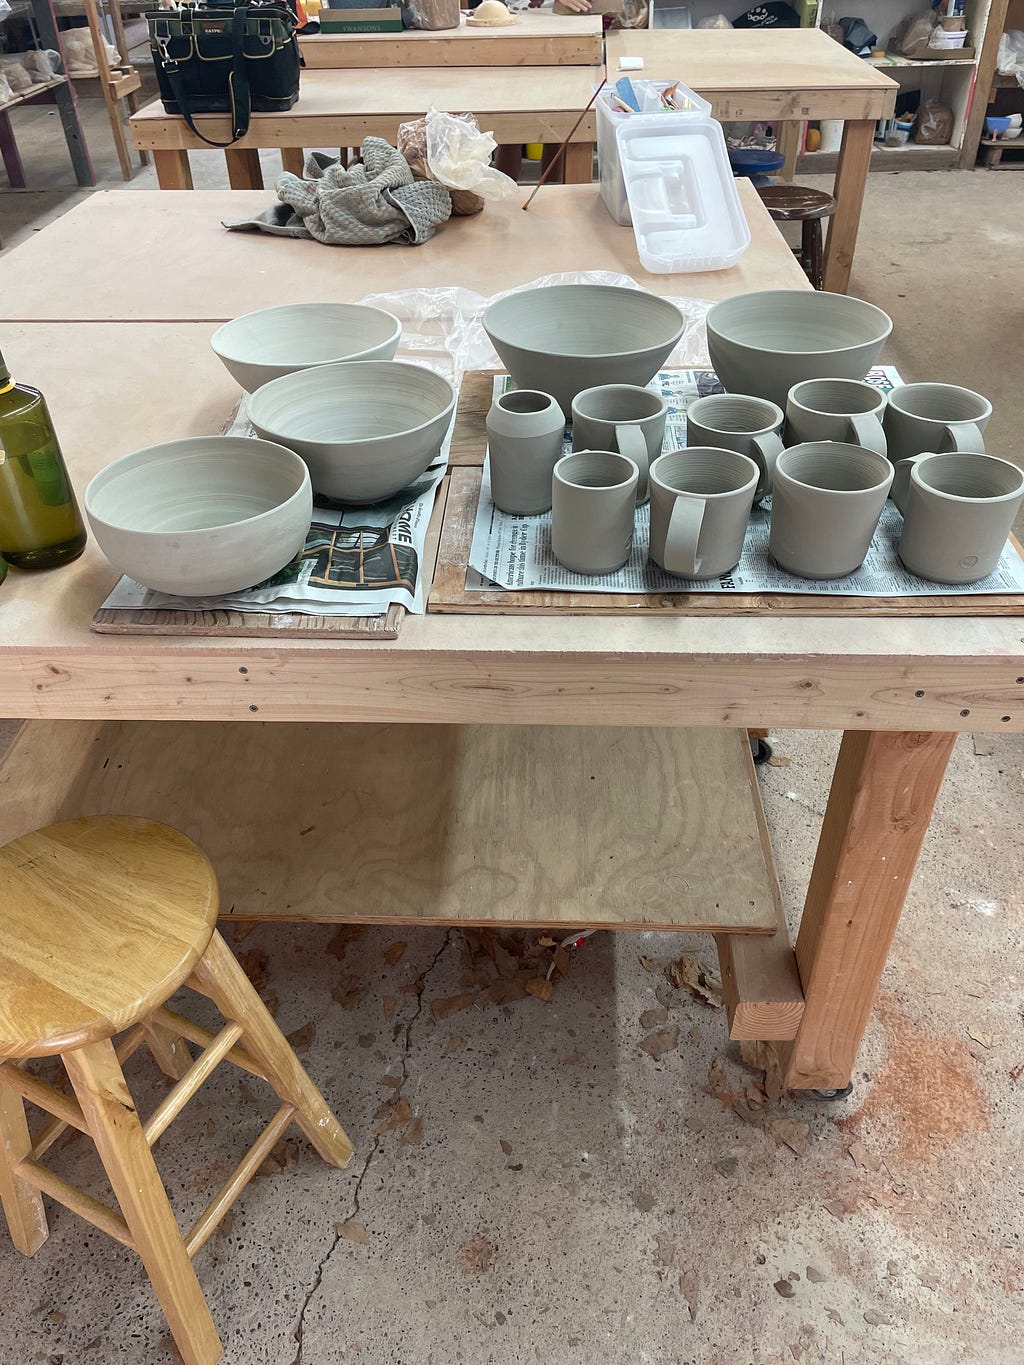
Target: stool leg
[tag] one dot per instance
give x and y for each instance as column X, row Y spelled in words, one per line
column 23, row 1206
column 170, row 1052
column 115, row 1128
column 219, row 977
column 813, row 256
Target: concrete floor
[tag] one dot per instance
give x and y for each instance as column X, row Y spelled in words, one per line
column 555, row 1194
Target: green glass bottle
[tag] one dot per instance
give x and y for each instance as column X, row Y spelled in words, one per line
column 40, row 524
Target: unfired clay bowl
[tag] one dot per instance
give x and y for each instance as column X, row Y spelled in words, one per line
column 565, row 338
column 365, row 431
column 764, row 343
column 203, row 516
column 259, row 347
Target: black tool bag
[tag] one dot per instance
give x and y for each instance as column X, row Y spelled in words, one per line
column 224, row 59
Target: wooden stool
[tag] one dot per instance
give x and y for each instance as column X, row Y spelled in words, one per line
column 796, row 204
column 103, row 920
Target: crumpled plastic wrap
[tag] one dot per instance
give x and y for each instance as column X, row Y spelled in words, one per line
column 442, row 327
column 13, row 69
column 1010, row 61
column 451, row 149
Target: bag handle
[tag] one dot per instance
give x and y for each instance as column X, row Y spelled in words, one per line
column 238, row 86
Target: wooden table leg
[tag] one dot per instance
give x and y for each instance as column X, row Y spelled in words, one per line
column 851, row 178
column 579, row 163
column 244, row 171
column 9, row 153
column 22, row 1205
column 172, row 170
column 881, row 801
column 293, row 159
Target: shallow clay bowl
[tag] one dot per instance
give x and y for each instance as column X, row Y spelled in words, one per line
column 263, row 346
column 565, row 338
column 366, row 431
column 204, row 516
column 764, row 343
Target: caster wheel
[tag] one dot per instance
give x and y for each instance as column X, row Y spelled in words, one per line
column 761, row 751
column 843, row 1094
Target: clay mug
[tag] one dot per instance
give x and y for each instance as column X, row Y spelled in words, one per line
column 847, row 410
column 593, row 503
column 958, row 508
column 734, row 421
column 700, row 505
column 827, row 500
column 935, row 417
column 622, row 417
column 524, row 442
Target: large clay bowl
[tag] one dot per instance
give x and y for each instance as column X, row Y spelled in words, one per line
column 203, row 516
column 259, row 347
column 565, row 338
column 764, row 343
column 365, row 431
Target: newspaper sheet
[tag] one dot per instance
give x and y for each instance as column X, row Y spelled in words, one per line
column 356, row 561
column 515, row 552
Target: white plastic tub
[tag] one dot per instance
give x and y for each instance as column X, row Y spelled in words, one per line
column 609, row 120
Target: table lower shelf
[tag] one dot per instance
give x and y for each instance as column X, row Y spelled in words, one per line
column 530, row 827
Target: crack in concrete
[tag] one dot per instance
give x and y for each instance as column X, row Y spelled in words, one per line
column 421, row 981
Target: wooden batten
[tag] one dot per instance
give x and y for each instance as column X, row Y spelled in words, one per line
column 206, row 1224
column 92, row 1210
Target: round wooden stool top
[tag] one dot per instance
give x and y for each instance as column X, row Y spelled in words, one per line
column 101, row 920
column 796, row 203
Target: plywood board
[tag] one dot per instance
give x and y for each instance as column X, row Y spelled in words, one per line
column 450, row 594
column 537, row 826
column 255, row 624
column 536, row 39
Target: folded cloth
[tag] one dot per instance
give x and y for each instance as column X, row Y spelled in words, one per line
column 368, row 204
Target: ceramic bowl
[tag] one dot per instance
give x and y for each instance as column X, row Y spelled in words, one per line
column 365, row 431
column 263, row 346
column 764, row 343
column 569, row 337
column 203, row 516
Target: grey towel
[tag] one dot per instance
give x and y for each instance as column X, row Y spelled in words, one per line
column 375, row 202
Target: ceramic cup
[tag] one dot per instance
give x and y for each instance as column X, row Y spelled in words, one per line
column 524, row 442
column 592, row 506
column 765, row 342
column 826, row 502
column 735, row 421
column 958, row 508
column 621, row 417
column 935, row 417
column 700, row 505
column 846, row 410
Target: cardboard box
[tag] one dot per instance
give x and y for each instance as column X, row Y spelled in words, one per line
column 387, row 20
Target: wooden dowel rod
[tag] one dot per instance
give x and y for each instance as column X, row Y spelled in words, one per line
column 169, row 1108
column 202, row 1037
column 44, row 1095
column 130, row 1043
column 92, row 1210
column 561, row 151
column 236, row 1182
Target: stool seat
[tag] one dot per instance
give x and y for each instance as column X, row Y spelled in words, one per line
column 101, row 920
column 796, row 203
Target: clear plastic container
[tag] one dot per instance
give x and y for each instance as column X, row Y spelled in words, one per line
column 683, row 200
column 609, row 120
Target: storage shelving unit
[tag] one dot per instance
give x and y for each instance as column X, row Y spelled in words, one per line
column 1002, row 16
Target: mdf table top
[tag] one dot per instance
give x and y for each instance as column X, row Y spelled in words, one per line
column 175, row 262
column 538, row 38
column 114, row 387
column 799, row 73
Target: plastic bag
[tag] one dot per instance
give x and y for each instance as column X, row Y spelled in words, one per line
column 16, row 74
column 433, row 14
column 442, row 327
column 451, row 149
column 1010, row 61
column 80, row 53
column 933, row 126
column 714, row 21
column 912, row 35
column 6, row 93
column 412, row 143
column 42, row 64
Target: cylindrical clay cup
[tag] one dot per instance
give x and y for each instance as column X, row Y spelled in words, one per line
column 700, row 505
column 825, row 506
column 734, row 421
column 622, row 417
column 847, row 410
column 524, row 443
column 592, row 509
column 959, row 508
column 935, row 417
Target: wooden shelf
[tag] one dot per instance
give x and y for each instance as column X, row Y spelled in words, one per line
column 926, row 64
column 542, row 827
column 913, row 156
column 26, row 95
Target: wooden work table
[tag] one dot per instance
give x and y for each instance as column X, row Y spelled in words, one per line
column 900, row 688
column 537, row 38
column 778, row 75
column 338, row 109
column 566, row 228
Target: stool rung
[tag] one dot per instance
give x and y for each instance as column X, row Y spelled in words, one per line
column 92, row 1210
column 44, row 1095
column 236, row 1182
column 204, row 1064
column 202, row 1037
